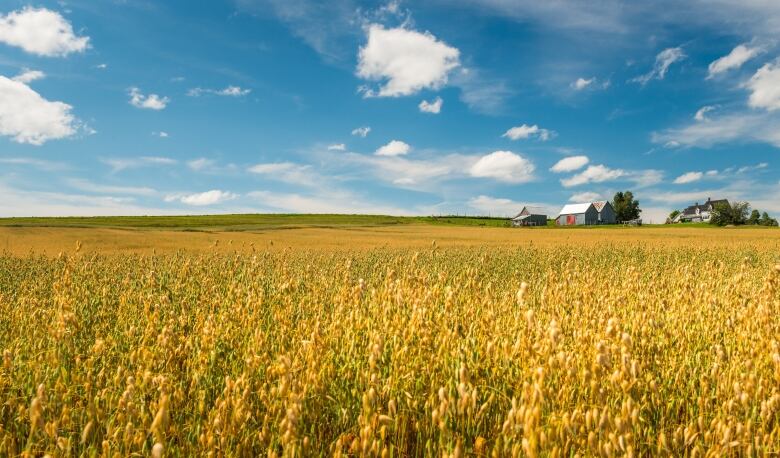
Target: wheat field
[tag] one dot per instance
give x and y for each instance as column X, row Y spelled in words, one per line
column 604, row 349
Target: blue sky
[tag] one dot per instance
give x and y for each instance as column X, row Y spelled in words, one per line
column 427, row 107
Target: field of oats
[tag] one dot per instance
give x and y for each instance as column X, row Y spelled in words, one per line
column 589, row 346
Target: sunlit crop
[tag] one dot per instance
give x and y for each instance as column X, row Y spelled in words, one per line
column 542, row 351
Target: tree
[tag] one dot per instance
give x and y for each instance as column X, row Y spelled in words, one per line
column 626, row 208
column 755, row 216
column 766, row 220
column 674, row 214
column 735, row 214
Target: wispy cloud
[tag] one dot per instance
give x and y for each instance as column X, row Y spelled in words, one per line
column 229, row 91
column 663, row 61
column 120, row 164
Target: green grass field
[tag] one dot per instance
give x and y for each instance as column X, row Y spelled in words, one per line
column 248, row 221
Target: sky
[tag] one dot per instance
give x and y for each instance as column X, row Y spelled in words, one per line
column 431, row 107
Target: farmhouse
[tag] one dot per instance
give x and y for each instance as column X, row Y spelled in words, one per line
column 530, row 216
column 600, row 212
column 699, row 213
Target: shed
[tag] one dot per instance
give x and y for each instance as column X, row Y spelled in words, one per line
column 577, row 214
column 530, row 216
column 606, row 212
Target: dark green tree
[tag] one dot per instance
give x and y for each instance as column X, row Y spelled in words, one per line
column 735, row 214
column 626, row 208
column 766, row 220
column 755, row 216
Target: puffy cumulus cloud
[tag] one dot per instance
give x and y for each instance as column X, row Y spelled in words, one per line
column 732, row 60
column 433, row 107
column 701, row 114
column 28, row 76
column 585, row 197
column 27, row 117
column 503, row 166
column 361, row 131
column 570, row 164
column 688, row 177
column 148, row 102
column 764, row 87
column 593, row 174
column 40, row 31
column 337, row 147
column 213, row 197
column 229, row 91
column 525, row 132
column 663, row 61
column 405, row 60
column 394, row 148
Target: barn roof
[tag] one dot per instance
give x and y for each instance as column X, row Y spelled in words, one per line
column 574, row 209
column 600, row 204
column 531, row 211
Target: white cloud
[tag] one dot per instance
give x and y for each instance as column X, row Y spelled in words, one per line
column 482, row 93
column 40, row 31
column 688, row 177
column 215, row 196
column 229, row 91
column 361, row 131
column 42, row 164
column 332, row 202
column 765, row 87
column 200, row 163
column 570, row 164
column 433, row 107
column 739, row 126
column 585, row 197
column 394, row 148
column 28, row 76
column 495, row 206
column 161, row 134
column 88, row 186
column 27, row 117
column 525, row 131
column 119, row 164
column 503, row 166
column 663, row 61
column 732, row 60
column 288, row 172
column 645, row 178
column 149, row 102
column 582, row 83
column 701, row 114
column 406, row 60
column 593, row 174
column 414, row 174
column 26, row 202
column 101, row 66
column 337, row 147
